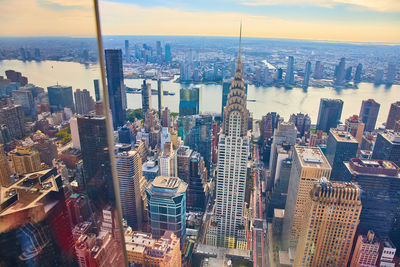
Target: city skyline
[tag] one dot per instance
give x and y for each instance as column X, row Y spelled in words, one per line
column 348, row 21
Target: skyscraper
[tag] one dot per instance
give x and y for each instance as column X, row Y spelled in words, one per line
column 341, row 72
column 83, row 101
column 129, row 173
column 307, row 74
column 380, row 184
column 116, row 87
column 233, row 153
column 330, row 222
column 394, row 115
column 341, row 146
column 358, row 74
column 286, row 133
column 309, row 166
column 166, row 200
column 168, row 57
column 95, row 155
column 330, row 111
column 127, row 50
column 319, row 70
column 189, row 101
column 196, row 192
column 160, row 98
column 24, row 98
column 146, row 97
column 369, row 113
column 348, row 75
column 96, row 89
column 289, row 77
column 60, row 97
column 391, row 73
column 387, row 147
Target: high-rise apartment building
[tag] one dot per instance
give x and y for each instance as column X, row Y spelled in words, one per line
column 25, row 160
column 146, row 97
column 116, row 87
column 319, row 70
column 366, row 251
column 289, row 77
column 394, row 115
column 60, row 97
column 5, row 171
column 330, row 111
column 358, row 74
column 144, row 250
column 168, row 56
column 341, row 146
column 166, row 203
column 83, row 101
column 387, row 147
column 369, row 113
column 391, row 73
column 331, row 216
column 189, row 101
column 129, row 173
column 341, row 72
column 379, row 181
column 13, row 118
column 309, row 165
column 307, row 74
column 233, row 151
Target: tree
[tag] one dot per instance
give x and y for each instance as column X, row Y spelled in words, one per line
column 134, row 114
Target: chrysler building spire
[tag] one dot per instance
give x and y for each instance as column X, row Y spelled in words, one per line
column 235, row 110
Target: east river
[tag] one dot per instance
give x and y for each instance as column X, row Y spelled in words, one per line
column 267, row 99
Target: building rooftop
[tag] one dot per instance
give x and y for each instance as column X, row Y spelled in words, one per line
column 220, row 252
column 343, row 136
column 312, row 157
column 391, row 136
column 374, row 167
column 60, row 86
column 167, row 185
column 150, row 166
column 29, row 192
column 184, row 151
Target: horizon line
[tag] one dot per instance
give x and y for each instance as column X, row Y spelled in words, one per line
column 213, row 36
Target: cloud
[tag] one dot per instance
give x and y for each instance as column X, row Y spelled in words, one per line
column 46, row 18
column 126, row 19
column 376, row 5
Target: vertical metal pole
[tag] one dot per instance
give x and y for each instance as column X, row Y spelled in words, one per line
column 109, row 127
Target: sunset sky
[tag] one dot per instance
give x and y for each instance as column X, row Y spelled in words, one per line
column 337, row 20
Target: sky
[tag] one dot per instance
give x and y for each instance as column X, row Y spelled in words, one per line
column 330, row 20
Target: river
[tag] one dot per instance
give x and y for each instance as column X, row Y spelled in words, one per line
column 268, row 99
